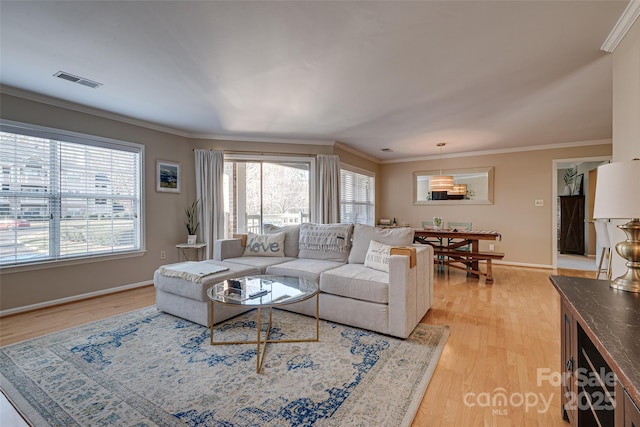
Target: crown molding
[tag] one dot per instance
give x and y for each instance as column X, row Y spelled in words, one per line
column 56, row 102
column 619, row 30
column 506, row 150
column 351, row 150
column 43, row 99
column 299, row 141
column 112, row 116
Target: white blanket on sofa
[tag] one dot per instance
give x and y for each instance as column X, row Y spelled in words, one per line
column 191, row 270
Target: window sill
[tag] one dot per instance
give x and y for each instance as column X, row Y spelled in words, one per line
column 68, row 262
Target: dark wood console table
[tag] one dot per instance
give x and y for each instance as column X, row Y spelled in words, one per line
column 600, row 333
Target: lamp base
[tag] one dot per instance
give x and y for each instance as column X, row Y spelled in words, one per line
column 629, row 250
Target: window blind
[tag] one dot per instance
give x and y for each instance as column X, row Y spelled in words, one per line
column 62, row 199
column 357, row 194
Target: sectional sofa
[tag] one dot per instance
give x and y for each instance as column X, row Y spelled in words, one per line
column 361, row 284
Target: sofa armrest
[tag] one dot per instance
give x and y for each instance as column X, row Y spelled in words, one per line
column 402, row 296
column 227, row 248
column 410, row 290
column 425, row 276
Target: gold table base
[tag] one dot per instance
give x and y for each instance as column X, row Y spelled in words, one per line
column 263, row 342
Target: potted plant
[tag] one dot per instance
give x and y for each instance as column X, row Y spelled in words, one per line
column 192, row 222
column 569, row 180
column 437, row 222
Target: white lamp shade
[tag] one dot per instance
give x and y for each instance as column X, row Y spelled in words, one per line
column 618, row 191
column 440, row 183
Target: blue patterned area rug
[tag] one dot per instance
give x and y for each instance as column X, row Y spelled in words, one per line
column 148, row 368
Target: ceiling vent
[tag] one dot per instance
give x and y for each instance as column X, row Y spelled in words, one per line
column 79, row 80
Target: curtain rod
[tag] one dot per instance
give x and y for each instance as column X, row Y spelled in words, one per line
column 260, row 152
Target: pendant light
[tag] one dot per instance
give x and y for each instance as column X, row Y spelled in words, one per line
column 440, row 184
column 458, row 191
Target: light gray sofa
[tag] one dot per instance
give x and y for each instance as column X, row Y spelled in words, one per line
column 352, row 293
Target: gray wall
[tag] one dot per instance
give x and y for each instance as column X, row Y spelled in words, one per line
column 32, row 286
column 519, row 179
column 25, row 286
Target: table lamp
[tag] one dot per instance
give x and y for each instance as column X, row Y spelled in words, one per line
column 618, row 197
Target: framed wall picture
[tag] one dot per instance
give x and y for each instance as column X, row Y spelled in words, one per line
column 167, row 176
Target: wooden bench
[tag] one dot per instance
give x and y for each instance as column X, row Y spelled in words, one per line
column 469, row 259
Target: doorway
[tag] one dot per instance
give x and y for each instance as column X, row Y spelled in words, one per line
column 584, row 171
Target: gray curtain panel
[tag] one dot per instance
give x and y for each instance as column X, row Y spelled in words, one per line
column 327, row 189
column 209, row 190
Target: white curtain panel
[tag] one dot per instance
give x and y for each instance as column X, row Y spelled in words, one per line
column 209, row 190
column 328, row 189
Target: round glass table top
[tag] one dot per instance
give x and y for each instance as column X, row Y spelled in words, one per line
column 260, row 291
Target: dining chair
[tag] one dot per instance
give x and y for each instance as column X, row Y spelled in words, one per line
column 439, row 258
column 602, row 239
column 429, row 224
column 460, row 226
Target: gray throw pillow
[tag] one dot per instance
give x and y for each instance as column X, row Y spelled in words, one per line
column 291, row 237
column 364, row 234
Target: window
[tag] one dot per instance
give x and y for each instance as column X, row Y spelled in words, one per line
column 66, row 195
column 357, row 196
column 265, row 191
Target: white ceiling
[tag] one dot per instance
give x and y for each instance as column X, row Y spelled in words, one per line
column 478, row 75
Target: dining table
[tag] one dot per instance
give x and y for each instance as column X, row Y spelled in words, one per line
column 453, row 244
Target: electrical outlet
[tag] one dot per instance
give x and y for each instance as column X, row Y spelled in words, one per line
column 539, row 202
column 163, row 254
column 492, row 247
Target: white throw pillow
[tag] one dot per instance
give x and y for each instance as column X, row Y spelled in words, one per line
column 378, row 256
column 265, row 245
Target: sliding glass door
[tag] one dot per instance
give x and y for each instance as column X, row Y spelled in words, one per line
column 259, row 192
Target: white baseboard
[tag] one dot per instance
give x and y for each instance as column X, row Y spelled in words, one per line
column 73, row 298
column 524, row 264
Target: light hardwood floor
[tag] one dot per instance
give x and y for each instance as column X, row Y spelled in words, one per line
column 501, row 334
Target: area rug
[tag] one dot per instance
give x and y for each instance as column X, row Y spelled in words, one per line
column 148, row 368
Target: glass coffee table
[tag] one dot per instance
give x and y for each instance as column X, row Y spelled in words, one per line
column 263, row 292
